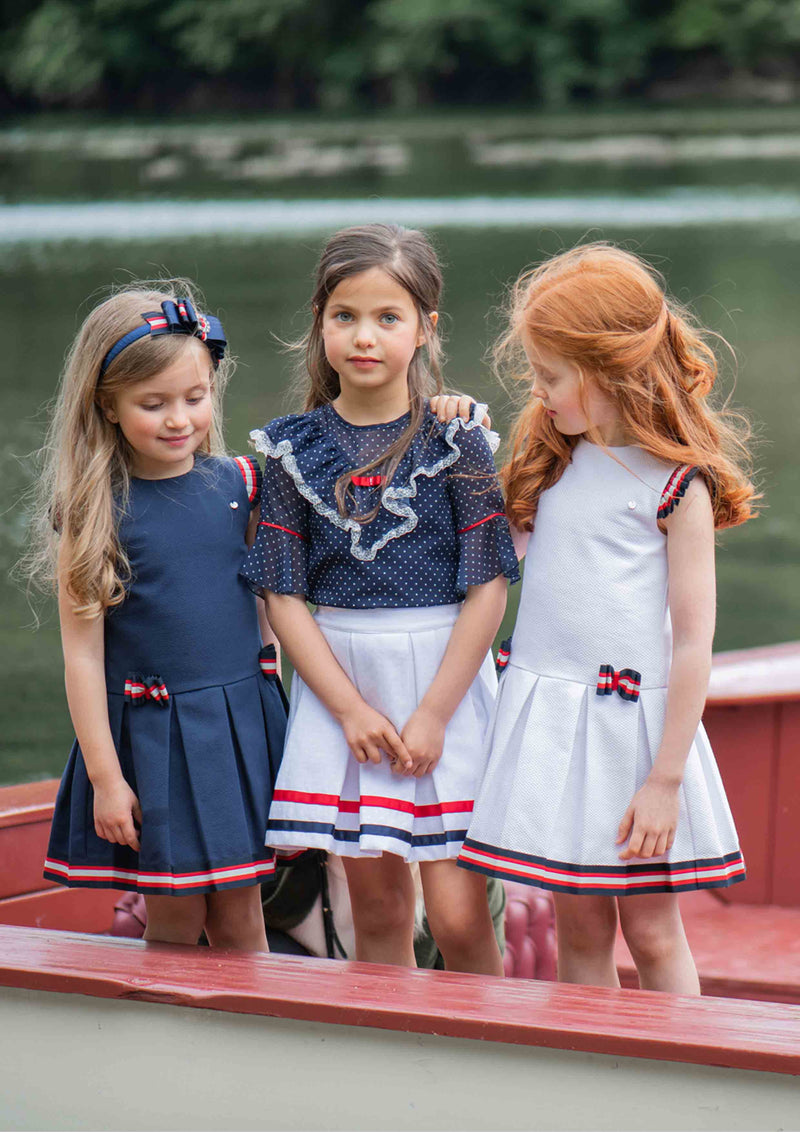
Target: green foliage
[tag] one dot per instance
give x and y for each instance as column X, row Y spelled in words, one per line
column 337, row 53
column 742, row 32
column 57, row 54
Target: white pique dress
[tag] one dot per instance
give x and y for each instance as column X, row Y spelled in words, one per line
column 580, row 710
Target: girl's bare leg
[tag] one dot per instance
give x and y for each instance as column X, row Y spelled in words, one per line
column 459, row 917
column 586, row 927
column 175, row 919
column 382, row 897
column 235, row 919
column 654, row 933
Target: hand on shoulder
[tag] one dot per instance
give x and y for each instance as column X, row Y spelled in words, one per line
column 446, row 406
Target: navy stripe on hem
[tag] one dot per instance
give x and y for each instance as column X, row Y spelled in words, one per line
column 609, row 870
column 329, row 830
column 573, row 890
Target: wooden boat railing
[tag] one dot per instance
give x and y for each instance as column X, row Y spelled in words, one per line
column 735, row 1053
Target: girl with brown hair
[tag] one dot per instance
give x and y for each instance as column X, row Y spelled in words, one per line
column 601, row 783
column 392, row 524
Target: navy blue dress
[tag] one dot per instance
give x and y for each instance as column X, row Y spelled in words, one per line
column 197, row 713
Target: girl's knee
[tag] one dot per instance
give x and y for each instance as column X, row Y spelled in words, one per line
column 652, row 940
column 175, row 919
column 586, row 929
column 456, row 926
column 379, row 911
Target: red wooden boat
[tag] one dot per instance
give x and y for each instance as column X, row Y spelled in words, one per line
column 95, row 1032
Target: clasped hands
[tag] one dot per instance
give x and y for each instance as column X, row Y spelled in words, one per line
column 414, row 751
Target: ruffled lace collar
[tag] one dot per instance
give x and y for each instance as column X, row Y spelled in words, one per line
column 308, row 450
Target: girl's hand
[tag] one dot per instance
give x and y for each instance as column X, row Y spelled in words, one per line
column 449, row 405
column 117, row 813
column 423, row 735
column 368, row 733
column 650, row 820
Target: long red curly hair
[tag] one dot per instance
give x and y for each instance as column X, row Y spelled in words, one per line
column 604, row 310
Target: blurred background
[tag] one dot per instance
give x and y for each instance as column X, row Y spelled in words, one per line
column 223, row 139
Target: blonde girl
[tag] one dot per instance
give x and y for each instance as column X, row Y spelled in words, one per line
column 178, row 714
column 392, row 524
column 601, row 784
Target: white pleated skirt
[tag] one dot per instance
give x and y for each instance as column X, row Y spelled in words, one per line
column 564, row 764
column 325, row 799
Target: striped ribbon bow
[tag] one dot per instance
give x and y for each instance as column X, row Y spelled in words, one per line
column 626, row 682
column 140, row 688
column 503, row 655
column 268, row 660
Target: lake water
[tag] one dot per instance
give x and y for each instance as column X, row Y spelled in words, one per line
column 247, row 227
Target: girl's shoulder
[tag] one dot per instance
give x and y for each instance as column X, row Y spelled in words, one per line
column 297, row 428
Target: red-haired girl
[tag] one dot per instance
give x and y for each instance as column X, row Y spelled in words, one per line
column 601, row 783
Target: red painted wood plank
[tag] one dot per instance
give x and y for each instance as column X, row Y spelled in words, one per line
column 786, row 816
column 30, row 802
column 724, row 1032
column 769, row 674
column 22, row 852
column 62, row 909
column 744, row 742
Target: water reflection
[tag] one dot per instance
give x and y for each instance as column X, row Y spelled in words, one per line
column 743, row 276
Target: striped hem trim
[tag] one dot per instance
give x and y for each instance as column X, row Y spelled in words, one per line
column 387, row 832
column 246, row 466
column 372, row 801
column 107, row 875
column 603, row 880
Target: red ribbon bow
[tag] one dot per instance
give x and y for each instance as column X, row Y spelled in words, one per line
column 626, row 682
column 140, row 688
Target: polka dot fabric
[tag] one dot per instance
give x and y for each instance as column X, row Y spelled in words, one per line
column 440, row 526
column 564, row 760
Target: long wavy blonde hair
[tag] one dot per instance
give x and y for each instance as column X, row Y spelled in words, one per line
column 605, row 311
column 85, row 459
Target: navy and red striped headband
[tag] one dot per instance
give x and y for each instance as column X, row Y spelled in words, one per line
column 174, row 318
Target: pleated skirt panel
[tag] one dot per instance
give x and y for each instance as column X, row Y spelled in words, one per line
column 563, row 767
column 203, row 767
column 325, row 799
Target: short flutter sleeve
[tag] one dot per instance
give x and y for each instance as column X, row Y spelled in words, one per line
column 278, row 559
column 485, row 548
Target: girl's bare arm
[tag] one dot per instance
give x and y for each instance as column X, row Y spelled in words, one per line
column 267, row 635
column 367, row 731
column 116, row 807
column 652, row 817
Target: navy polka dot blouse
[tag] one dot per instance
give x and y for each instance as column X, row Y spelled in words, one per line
column 440, row 526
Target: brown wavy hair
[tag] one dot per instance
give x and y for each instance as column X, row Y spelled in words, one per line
column 408, row 257
column 86, row 460
column 605, row 310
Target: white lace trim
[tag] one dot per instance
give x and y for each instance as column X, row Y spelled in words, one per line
column 394, row 499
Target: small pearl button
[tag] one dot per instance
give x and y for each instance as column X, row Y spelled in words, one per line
column 234, row 505
column 631, row 504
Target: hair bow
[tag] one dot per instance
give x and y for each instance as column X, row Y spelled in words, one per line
column 626, row 682
column 174, row 318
